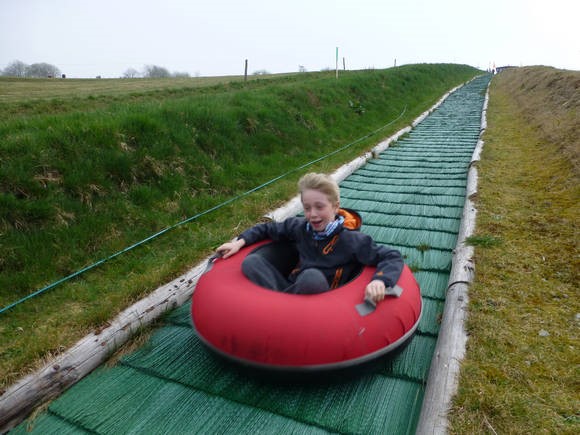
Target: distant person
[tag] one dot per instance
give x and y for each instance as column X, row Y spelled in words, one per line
column 328, row 243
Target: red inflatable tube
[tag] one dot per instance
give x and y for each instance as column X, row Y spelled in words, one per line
column 265, row 328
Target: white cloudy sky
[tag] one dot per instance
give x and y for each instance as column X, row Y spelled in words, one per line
column 85, row 38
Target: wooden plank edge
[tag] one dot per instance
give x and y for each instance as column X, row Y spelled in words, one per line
column 91, row 351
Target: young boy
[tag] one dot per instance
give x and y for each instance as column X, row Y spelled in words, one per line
column 327, row 241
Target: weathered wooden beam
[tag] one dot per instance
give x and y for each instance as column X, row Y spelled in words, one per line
column 91, row 351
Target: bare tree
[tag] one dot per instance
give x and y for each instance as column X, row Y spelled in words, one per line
column 42, row 70
column 15, row 69
column 131, row 73
column 154, row 71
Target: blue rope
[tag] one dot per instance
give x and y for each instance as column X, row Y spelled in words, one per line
column 192, row 218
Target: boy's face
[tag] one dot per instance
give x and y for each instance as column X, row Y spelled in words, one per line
column 318, row 209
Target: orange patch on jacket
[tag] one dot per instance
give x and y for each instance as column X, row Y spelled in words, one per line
column 352, row 221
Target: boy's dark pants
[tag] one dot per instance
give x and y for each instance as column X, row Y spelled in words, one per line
column 262, row 272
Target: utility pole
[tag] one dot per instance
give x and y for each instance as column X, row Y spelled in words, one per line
column 337, row 63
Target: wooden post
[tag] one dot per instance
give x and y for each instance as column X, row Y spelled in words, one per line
column 343, row 64
column 246, row 71
column 337, row 63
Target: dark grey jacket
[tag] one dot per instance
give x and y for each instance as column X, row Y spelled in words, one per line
column 338, row 255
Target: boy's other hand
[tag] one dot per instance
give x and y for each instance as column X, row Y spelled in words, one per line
column 230, row 248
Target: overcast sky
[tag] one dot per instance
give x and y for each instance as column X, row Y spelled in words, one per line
column 213, row 37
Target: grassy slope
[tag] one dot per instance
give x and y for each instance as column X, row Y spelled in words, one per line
column 82, row 178
column 521, row 370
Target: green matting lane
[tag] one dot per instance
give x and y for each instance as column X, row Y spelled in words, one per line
column 411, row 198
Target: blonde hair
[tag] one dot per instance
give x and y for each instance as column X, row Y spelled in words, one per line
column 321, row 182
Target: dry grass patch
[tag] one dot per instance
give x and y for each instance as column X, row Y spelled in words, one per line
column 521, row 370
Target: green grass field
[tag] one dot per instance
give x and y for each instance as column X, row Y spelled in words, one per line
column 86, row 173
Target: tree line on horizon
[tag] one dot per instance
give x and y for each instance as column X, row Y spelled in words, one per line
column 20, row 69
column 43, row 70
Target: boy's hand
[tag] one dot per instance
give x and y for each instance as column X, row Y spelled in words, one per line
column 375, row 291
column 230, row 248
